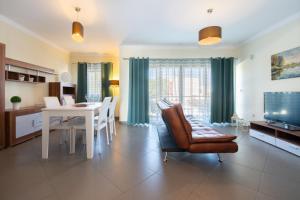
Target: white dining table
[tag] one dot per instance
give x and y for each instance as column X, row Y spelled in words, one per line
column 71, row 111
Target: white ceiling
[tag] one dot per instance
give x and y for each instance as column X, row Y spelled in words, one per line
column 111, row 23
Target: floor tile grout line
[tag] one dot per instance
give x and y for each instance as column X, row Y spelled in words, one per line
column 133, row 186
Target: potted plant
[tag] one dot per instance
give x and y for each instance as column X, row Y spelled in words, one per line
column 16, row 100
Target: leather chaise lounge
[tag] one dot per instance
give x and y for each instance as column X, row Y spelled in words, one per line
column 178, row 135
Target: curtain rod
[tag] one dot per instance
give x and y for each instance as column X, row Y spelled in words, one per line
column 172, row 58
column 89, row 62
column 175, row 58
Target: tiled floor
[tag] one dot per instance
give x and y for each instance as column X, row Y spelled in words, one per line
column 132, row 168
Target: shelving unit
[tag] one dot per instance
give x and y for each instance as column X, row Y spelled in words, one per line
column 279, row 137
column 59, row 89
column 14, row 69
column 15, row 76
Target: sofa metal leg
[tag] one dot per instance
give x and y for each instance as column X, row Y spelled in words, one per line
column 165, row 158
column 219, row 158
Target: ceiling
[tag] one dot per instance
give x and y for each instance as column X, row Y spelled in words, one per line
column 111, row 23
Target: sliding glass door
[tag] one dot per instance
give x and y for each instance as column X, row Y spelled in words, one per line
column 185, row 81
column 93, row 82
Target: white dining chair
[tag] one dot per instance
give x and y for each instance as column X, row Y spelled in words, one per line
column 100, row 121
column 58, row 123
column 111, row 116
column 68, row 100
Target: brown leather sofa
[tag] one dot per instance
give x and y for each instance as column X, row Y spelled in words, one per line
column 193, row 139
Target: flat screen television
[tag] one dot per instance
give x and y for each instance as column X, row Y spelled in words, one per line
column 283, row 109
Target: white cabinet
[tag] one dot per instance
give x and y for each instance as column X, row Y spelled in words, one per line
column 22, row 124
column 262, row 136
column 295, row 149
column 27, row 124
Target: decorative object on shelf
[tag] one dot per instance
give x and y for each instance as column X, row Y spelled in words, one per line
column 16, row 100
column 286, row 64
column 210, row 35
column 21, row 77
column 31, row 79
column 77, row 28
column 65, row 77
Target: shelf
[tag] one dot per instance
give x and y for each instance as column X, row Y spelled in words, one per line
column 288, row 138
column 59, row 89
column 15, row 77
column 262, row 128
column 21, row 64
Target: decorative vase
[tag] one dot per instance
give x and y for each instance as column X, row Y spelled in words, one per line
column 16, row 106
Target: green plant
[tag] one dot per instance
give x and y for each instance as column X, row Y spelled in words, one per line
column 15, row 99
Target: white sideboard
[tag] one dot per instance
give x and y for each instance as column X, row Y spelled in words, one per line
column 22, row 125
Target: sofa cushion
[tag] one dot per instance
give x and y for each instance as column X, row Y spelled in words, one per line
column 177, row 129
column 207, row 134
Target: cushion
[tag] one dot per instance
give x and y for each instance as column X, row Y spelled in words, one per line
column 207, row 134
column 177, row 129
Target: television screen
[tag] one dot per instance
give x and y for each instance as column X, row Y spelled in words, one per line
column 282, row 107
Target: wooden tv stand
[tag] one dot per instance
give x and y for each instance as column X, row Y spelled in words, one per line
column 279, row 137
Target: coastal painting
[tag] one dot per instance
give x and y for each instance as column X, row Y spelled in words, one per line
column 286, row 64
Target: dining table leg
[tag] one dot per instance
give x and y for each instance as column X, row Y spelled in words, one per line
column 45, row 135
column 89, row 125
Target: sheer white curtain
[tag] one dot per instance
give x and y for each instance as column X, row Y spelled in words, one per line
column 181, row 80
column 93, row 81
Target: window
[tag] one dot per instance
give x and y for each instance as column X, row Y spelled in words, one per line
column 181, row 80
column 94, row 81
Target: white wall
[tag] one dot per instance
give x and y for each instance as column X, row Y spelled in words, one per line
column 254, row 75
column 160, row 52
column 23, row 46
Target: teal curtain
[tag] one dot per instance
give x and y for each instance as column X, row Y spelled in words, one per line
column 222, row 89
column 106, row 75
column 138, row 106
column 81, row 82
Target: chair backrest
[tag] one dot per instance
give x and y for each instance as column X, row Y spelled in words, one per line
column 68, row 100
column 104, row 109
column 51, row 102
column 112, row 107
